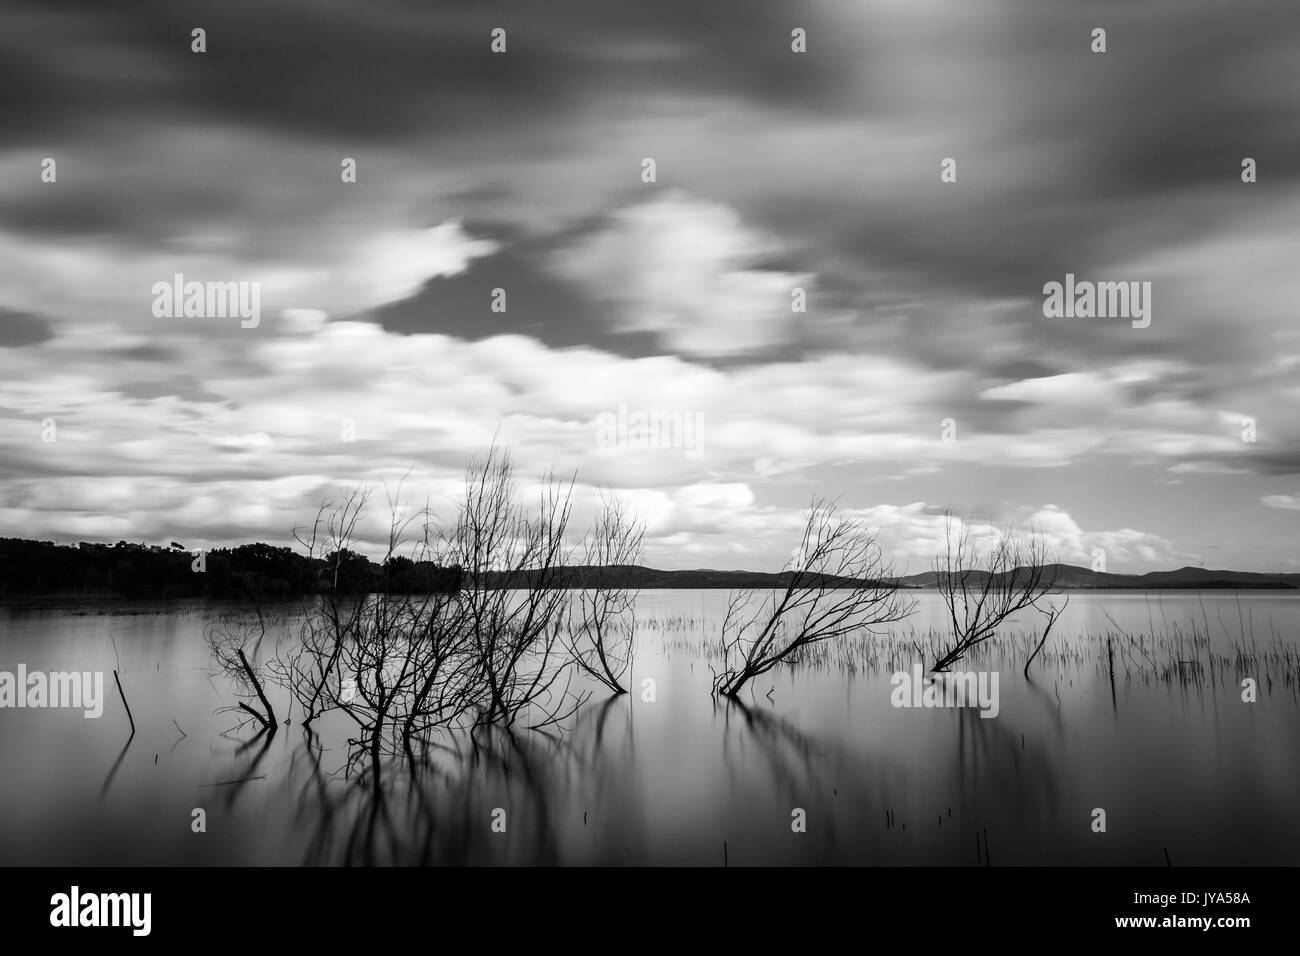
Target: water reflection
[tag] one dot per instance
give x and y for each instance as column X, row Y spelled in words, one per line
column 435, row 806
column 1175, row 756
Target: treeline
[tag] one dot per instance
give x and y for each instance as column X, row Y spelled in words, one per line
column 260, row 571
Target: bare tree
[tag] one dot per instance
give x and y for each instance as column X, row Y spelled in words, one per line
column 512, row 601
column 984, row 582
column 400, row 654
column 311, row 671
column 602, row 626
column 390, row 654
column 836, row 584
column 1053, row 614
column 227, row 641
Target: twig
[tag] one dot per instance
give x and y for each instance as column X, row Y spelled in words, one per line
column 226, row 783
column 122, row 694
column 260, row 719
column 269, row 720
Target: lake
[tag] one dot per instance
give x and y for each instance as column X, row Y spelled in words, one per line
column 815, row 765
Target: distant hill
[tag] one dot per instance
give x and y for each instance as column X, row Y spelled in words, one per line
column 144, row 572
column 1070, row 576
column 638, row 576
column 1067, row 575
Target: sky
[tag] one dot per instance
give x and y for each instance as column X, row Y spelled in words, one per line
column 921, row 378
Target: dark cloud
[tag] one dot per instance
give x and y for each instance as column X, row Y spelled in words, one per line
column 1065, row 155
column 537, row 305
column 18, row 329
column 390, row 70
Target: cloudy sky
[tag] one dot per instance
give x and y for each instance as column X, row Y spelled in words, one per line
column 774, row 170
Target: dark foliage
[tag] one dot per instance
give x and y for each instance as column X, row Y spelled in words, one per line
column 149, row 572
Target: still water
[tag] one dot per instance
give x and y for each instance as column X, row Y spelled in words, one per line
column 667, row 775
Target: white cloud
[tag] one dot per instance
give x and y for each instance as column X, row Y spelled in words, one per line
column 1285, row 502
column 687, row 269
column 228, row 452
column 390, row 266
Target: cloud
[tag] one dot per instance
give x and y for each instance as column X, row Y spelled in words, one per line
column 690, row 271
column 392, row 266
column 521, row 172
column 351, row 403
column 1285, row 502
column 1125, row 548
column 20, row 328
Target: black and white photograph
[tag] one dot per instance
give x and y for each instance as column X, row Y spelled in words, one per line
column 717, row 435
